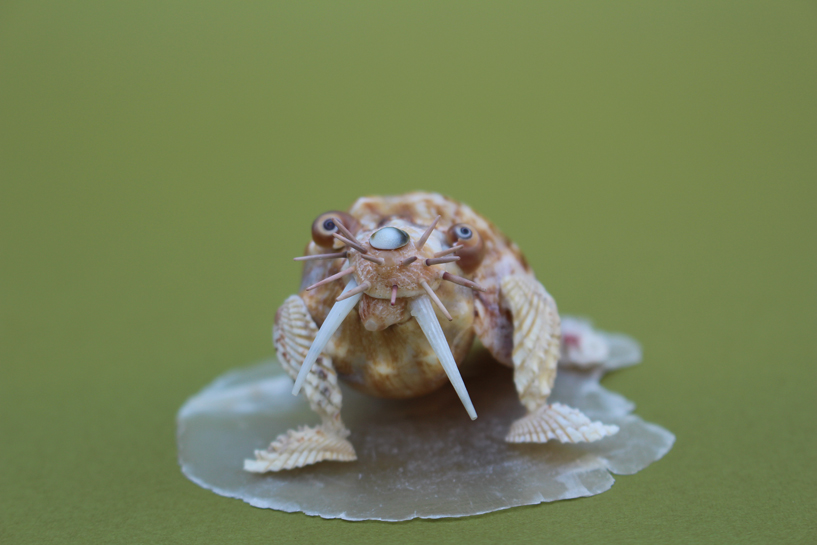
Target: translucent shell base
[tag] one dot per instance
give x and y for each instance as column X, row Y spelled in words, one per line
column 417, row 458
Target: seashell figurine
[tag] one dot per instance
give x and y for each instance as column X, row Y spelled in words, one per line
column 393, row 294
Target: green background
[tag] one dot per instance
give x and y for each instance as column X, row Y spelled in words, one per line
column 161, row 163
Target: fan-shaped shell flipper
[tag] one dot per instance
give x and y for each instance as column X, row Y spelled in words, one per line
column 302, row 447
column 536, row 348
column 560, row 422
column 536, row 337
column 293, row 333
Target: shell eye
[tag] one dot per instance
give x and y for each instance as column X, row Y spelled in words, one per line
column 472, row 250
column 389, row 238
column 325, row 224
column 463, row 232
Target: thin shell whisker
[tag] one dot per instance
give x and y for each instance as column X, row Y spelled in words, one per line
column 320, row 256
column 332, row 278
column 438, row 260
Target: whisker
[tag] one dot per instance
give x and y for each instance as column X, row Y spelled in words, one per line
column 427, row 234
column 408, row 261
column 393, row 294
column 332, row 278
column 361, row 288
column 462, row 281
column 344, row 230
column 319, row 256
column 451, row 250
column 353, row 243
column 438, row 260
column 378, row 260
column 436, row 299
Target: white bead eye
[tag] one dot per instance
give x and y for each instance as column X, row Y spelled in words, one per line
column 389, row 238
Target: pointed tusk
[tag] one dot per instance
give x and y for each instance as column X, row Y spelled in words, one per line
column 423, row 312
column 330, row 325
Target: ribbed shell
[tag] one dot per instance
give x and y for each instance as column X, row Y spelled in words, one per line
column 536, row 333
column 293, row 334
column 560, row 422
column 299, row 448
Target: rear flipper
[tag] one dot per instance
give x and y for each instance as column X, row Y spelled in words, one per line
column 560, row 422
column 536, row 344
column 293, row 334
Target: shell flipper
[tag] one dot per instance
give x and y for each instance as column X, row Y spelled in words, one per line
column 293, row 334
column 536, row 338
column 302, row 447
column 560, row 422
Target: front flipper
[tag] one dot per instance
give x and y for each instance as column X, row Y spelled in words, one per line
column 301, row 447
column 560, row 422
column 292, row 335
column 536, row 345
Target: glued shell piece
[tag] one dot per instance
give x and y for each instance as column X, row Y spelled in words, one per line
column 416, row 458
column 301, row 447
column 559, row 422
column 585, row 347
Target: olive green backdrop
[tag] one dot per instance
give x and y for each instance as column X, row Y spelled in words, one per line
column 161, row 163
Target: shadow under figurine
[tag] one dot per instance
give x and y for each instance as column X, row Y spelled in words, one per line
column 426, row 275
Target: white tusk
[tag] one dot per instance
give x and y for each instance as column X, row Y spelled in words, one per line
column 423, row 312
column 330, row 325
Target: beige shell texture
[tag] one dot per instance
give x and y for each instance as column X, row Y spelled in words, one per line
column 293, row 338
column 535, row 338
column 304, row 446
column 558, row 422
column 420, row 457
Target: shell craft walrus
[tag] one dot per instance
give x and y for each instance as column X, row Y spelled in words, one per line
column 393, row 293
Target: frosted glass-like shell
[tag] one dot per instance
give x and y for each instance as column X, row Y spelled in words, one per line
column 416, row 458
column 389, row 238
